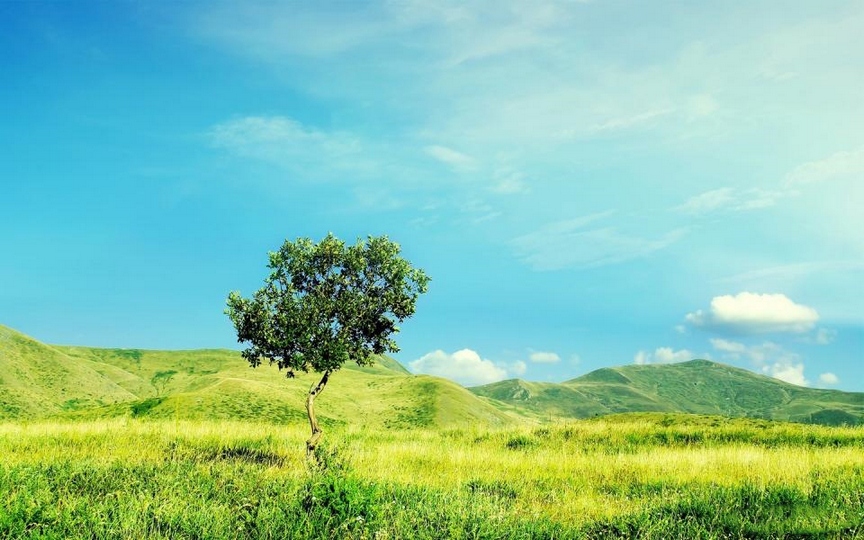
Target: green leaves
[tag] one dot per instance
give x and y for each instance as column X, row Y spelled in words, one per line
column 327, row 303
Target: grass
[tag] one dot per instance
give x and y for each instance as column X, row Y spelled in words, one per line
column 634, row 476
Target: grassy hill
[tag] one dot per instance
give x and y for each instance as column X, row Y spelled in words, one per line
column 39, row 381
column 698, row 386
column 42, row 381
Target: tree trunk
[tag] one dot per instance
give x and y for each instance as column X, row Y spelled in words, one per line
column 310, row 409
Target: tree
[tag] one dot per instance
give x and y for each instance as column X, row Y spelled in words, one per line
column 161, row 379
column 326, row 304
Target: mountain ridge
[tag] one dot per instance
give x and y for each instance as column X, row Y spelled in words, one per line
column 697, row 387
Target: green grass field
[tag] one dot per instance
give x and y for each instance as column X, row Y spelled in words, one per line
column 128, row 443
column 632, row 476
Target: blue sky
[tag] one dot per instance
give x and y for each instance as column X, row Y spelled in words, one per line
column 588, row 183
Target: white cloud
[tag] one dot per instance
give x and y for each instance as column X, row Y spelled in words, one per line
column 662, row 355
column 665, row 355
column 839, row 165
column 758, row 354
column 465, row 367
column 791, row 373
column 828, row 379
column 770, row 358
column 755, row 313
column 727, row 346
column 837, row 282
column 517, row 368
column 567, row 244
column 448, row 156
column 540, row 357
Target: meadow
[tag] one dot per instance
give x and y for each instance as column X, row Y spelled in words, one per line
column 628, row 476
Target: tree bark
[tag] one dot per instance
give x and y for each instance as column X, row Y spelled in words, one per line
column 312, row 443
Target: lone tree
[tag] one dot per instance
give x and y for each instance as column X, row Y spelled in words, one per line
column 326, row 304
column 161, row 379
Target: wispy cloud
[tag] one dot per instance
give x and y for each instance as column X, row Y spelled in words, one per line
column 569, row 244
column 535, row 82
column 630, row 121
column 448, row 156
column 382, row 175
column 795, row 270
column 509, row 182
column 731, row 199
column 843, row 164
column 824, row 336
column 287, row 143
column 708, row 201
column 461, row 58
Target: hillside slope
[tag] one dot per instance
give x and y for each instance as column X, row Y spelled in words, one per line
column 38, row 380
column 698, row 386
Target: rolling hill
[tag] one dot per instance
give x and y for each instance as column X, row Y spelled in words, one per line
column 697, row 387
column 39, row 380
column 52, row 381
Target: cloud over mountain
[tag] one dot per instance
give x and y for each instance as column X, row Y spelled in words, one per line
column 464, row 366
column 751, row 313
column 771, row 359
column 662, row 355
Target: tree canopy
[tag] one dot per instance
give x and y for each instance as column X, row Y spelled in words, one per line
column 325, row 304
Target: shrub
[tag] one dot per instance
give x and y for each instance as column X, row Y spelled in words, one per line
column 521, row 442
column 335, row 502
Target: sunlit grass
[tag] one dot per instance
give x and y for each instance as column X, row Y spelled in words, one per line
column 652, row 477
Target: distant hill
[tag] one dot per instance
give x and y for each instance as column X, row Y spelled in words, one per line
column 52, row 381
column 698, row 386
column 41, row 381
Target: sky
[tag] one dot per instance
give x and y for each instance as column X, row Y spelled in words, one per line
column 587, row 183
